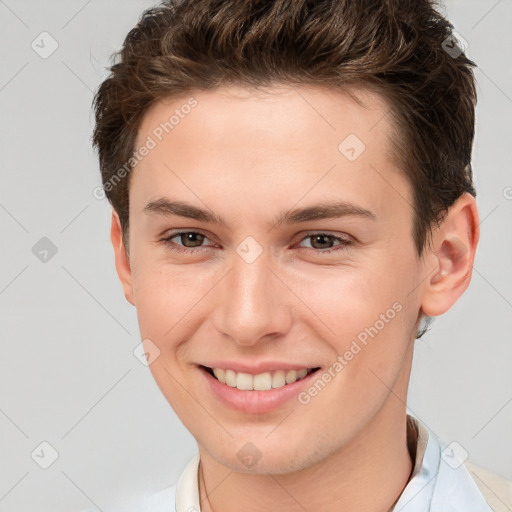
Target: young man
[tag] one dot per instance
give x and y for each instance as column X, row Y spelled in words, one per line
column 292, row 199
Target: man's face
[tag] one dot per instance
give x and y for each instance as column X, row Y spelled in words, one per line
column 256, row 295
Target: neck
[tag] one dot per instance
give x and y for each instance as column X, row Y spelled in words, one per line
column 369, row 474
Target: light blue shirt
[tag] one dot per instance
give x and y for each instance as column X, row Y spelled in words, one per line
column 439, row 482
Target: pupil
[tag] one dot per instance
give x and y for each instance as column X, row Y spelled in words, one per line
column 189, row 237
column 320, row 237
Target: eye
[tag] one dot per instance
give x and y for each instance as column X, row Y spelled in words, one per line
column 191, row 240
column 322, row 242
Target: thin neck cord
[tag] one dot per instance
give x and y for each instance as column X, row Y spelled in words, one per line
column 204, row 488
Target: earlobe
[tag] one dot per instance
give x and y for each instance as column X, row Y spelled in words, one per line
column 122, row 260
column 452, row 254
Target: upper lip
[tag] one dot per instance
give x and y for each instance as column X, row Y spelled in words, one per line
column 257, row 368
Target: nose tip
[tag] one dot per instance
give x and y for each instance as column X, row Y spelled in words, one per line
column 250, row 305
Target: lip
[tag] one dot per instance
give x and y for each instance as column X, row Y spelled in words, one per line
column 255, row 369
column 255, row 402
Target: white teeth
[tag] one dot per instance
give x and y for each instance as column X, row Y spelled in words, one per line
column 244, row 381
column 278, row 379
column 231, row 378
column 261, row 381
column 291, row 376
column 220, row 374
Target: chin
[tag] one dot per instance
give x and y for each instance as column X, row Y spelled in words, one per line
column 264, row 457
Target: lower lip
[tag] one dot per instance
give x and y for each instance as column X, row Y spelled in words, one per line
column 256, row 402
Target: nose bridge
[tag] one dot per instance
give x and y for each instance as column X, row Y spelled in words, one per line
column 250, row 304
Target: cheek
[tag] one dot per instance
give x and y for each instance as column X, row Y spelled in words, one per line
column 368, row 318
column 168, row 297
column 348, row 300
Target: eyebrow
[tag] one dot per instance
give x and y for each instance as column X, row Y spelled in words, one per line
column 323, row 210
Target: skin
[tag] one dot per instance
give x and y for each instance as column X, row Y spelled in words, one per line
column 246, row 156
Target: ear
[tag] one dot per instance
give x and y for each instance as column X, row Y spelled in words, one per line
column 122, row 259
column 451, row 254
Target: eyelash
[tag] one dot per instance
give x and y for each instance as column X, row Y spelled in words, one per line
column 343, row 242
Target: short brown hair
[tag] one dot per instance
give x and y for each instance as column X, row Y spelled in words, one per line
column 395, row 47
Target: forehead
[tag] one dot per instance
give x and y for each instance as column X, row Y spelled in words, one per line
column 280, row 111
column 261, row 140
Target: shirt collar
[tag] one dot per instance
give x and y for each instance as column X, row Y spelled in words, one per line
column 425, row 454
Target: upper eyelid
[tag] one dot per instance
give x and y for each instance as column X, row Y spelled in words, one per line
column 170, row 234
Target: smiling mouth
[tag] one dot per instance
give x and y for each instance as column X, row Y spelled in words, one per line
column 260, row 382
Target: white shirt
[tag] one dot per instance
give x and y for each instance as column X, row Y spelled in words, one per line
column 439, row 481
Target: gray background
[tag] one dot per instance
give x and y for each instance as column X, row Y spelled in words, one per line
column 68, row 375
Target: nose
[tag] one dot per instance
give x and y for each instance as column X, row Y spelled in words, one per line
column 252, row 303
